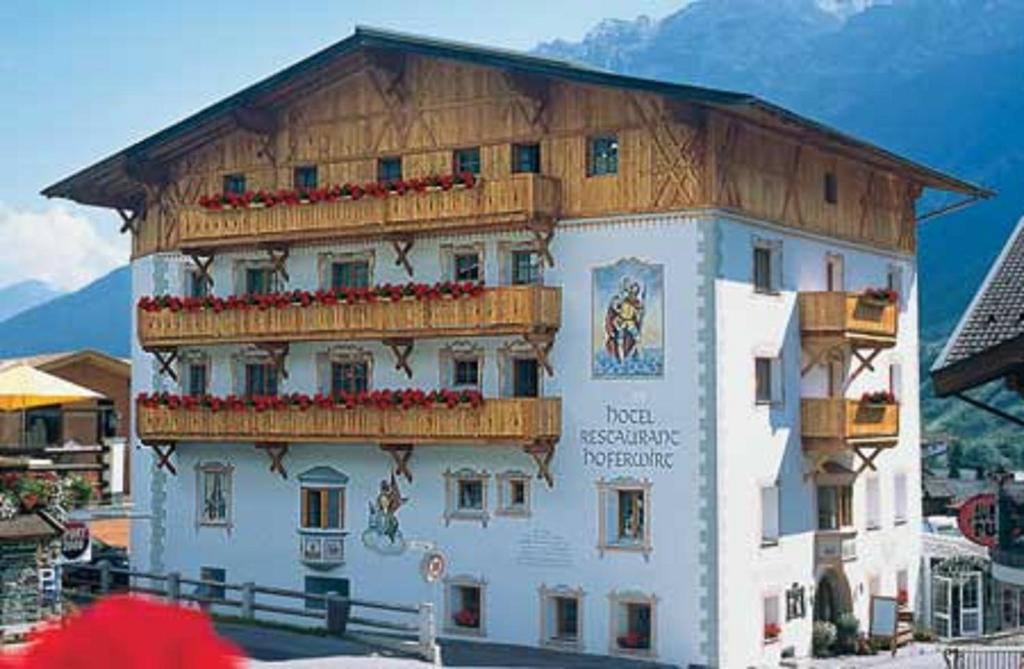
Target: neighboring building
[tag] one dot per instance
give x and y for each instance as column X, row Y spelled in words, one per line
column 84, row 435
column 689, row 294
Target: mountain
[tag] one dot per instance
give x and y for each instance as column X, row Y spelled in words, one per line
column 98, row 316
column 23, row 295
column 935, row 80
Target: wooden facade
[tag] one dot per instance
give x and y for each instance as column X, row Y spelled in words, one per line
column 505, row 310
column 850, row 316
column 506, row 421
column 673, row 155
column 841, row 422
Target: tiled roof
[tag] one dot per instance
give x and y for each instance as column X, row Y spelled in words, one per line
column 996, row 314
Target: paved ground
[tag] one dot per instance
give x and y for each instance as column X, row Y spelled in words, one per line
column 915, row 656
column 271, row 647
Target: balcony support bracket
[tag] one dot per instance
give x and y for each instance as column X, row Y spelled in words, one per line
column 203, row 260
column 163, row 453
column 166, row 357
column 402, row 348
column 278, row 259
column 863, row 362
column 400, row 453
column 541, row 345
column 867, row 455
column 819, row 355
column 131, row 219
column 278, row 352
column 402, row 248
column 276, row 452
column 543, row 233
column 542, row 451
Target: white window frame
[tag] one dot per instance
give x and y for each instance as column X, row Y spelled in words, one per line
column 325, row 262
column 325, row 361
column 608, row 513
column 462, row 581
column 768, row 493
column 504, row 482
column 460, row 351
column 226, row 471
column 187, row 360
column 507, row 355
column 776, row 380
column 616, row 601
column 549, row 621
column 505, row 254
column 449, row 251
column 242, row 266
column 771, row 612
column 452, row 511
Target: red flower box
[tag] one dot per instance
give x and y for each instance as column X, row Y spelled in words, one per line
column 772, row 631
column 881, row 295
column 408, row 398
column 878, row 397
column 633, row 641
column 467, row 618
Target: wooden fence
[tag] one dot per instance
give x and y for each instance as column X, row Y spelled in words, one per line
column 983, row 657
column 408, row 628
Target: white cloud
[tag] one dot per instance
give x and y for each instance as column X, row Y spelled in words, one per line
column 55, row 245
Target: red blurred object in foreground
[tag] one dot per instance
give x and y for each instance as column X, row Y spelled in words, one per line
column 126, row 631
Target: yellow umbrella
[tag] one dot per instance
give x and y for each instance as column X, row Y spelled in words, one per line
column 24, row 387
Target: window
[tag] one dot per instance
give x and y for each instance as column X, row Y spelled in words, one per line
column 466, row 266
column 894, row 281
column 323, row 508
column 389, row 169
column 196, row 379
column 770, row 515
column 196, row 284
column 349, row 377
column 831, row 188
column 44, row 426
column 767, row 266
column 603, row 156
column 525, row 268
column 234, row 184
column 874, row 503
column 305, row 177
column 903, row 587
column 466, row 160
column 260, row 379
column 835, row 507
column 525, row 378
column 466, row 496
column 896, row 380
column 768, row 380
column 525, row 158
column 770, row 613
column 465, row 606
column 260, row 280
column 350, row 274
column 322, row 585
column 624, row 505
column 513, row 494
column 900, row 495
column 214, row 487
column 215, row 574
column 466, row 373
column 632, row 622
column 834, row 278
column 561, row 613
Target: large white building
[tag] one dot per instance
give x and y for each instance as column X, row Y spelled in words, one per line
column 714, row 282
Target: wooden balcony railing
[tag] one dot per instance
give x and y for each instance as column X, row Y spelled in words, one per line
column 848, row 315
column 493, row 204
column 506, row 310
column 844, row 421
column 510, row 421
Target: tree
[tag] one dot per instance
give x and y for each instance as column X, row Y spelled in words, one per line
column 955, row 460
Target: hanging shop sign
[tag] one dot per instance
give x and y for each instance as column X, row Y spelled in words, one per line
column 433, row 566
column 74, row 544
column 977, row 519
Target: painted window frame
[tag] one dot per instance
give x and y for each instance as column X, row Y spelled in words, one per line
column 608, row 500
column 457, row 351
column 507, row 252
column 548, row 637
column 189, row 360
column 452, row 487
column 326, row 262
column 449, row 252
column 226, row 472
column 505, row 480
column 619, row 599
column 458, row 582
column 775, row 275
column 344, row 353
column 773, row 365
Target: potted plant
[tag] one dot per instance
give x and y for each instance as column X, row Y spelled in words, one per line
column 467, row 618
column 880, row 296
column 632, row 641
column 772, row 631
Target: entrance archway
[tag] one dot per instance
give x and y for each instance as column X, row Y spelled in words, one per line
column 832, row 597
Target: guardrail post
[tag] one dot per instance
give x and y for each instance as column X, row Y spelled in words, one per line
column 249, row 600
column 106, row 579
column 173, row 587
column 337, row 614
column 428, row 639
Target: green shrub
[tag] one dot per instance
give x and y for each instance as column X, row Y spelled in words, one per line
column 823, row 637
column 847, row 629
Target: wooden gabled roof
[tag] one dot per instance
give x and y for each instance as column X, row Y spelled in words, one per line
column 116, row 181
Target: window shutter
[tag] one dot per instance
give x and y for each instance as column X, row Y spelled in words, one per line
column 770, row 513
column 776, row 265
column 777, row 380
column 896, row 380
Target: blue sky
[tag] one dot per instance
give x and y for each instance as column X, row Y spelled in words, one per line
column 81, row 79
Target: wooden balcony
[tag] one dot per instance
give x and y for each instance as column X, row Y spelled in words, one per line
column 506, row 310
column 493, row 204
column 505, row 421
column 839, row 424
column 864, row 322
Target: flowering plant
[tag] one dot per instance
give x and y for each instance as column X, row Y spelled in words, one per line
column 387, row 292
column 467, row 618
column 772, row 631
column 408, row 398
column 21, row 491
column 902, row 597
column 886, row 295
column 347, row 191
column 878, row 397
column 632, row 640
